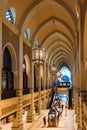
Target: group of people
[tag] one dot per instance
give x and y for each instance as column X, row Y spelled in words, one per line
column 57, row 107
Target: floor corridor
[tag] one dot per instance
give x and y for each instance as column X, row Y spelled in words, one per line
column 67, row 122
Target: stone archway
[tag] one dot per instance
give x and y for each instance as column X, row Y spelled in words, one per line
column 27, row 61
column 8, row 72
column 13, row 56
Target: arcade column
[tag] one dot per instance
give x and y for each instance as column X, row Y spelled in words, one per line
column 70, row 104
column 44, row 85
column 39, row 89
column 0, row 64
column 48, row 75
column 30, row 115
column 17, row 124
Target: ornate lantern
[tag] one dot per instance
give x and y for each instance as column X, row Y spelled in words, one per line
column 53, row 70
column 59, row 74
column 38, row 55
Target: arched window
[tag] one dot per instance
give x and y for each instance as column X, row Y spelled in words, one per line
column 66, row 77
column 66, row 72
column 11, row 15
column 7, row 64
column 7, row 76
column 27, row 34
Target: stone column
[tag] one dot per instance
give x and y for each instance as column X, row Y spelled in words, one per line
column 17, row 124
column 77, row 107
column 0, row 64
column 51, row 80
column 83, row 94
column 70, row 106
column 48, row 82
column 75, row 99
column 74, row 86
column 30, row 115
column 44, row 103
column 39, row 89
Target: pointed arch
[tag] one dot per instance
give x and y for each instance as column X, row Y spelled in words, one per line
column 28, row 74
column 27, row 60
column 13, row 55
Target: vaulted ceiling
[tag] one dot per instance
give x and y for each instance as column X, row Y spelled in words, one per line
column 56, row 38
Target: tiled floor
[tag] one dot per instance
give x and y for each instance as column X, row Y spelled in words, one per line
column 67, row 122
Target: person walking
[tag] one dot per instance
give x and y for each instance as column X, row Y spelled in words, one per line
column 44, row 120
column 62, row 107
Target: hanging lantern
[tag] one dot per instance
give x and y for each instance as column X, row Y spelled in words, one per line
column 59, row 74
column 53, row 70
column 38, row 55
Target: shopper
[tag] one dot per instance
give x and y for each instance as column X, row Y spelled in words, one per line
column 62, row 107
column 44, row 120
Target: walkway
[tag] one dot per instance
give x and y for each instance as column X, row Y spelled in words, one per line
column 67, row 122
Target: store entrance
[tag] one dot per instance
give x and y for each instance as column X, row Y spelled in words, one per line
column 66, row 95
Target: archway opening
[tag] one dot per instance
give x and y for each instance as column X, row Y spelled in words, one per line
column 7, row 76
column 64, row 86
column 25, row 79
column 66, row 75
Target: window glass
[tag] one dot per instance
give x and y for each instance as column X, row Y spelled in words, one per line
column 27, row 34
column 11, row 15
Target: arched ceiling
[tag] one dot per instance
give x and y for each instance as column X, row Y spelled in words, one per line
column 58, row 38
